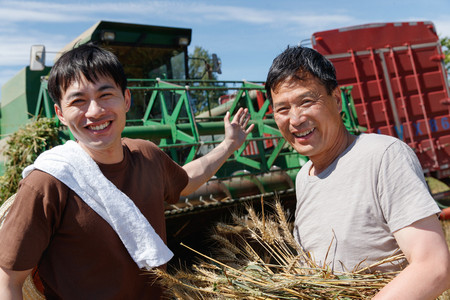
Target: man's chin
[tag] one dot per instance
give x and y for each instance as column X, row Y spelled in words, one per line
column 304, row 150
column 95, row 145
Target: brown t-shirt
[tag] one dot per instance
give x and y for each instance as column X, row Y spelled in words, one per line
column 78, row 254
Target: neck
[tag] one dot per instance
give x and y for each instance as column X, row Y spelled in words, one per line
column 105, row 156
column 319, row 164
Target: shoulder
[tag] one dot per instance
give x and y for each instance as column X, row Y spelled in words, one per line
column 41, row 196
column 387, row 145
column 376, row 140
column 41, row 182
column 378, row 145
column 42, row 189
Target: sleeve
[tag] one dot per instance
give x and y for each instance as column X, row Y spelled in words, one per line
column 403, row 193
column 30, row 223
column 176, row 179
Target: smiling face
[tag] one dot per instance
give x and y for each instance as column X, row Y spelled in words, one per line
column 309, row 118
column 95, row 113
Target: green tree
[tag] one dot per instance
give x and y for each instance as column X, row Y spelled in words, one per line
column 201, row 67
column 445, row 43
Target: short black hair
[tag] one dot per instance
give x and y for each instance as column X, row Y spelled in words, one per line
column 299, row 62
column 88, row 60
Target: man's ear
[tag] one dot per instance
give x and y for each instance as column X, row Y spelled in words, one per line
column 127, row 96
column 59, row 113
column 337, row 97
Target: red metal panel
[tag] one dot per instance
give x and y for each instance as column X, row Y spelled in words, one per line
column 399, row 83
column 375, row 35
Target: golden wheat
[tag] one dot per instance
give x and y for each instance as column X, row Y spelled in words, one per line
column 258, row 258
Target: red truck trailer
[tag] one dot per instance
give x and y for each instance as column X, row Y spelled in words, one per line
column 399, row 84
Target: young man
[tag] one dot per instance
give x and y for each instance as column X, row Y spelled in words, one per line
column 62, row 227
column 359, row 198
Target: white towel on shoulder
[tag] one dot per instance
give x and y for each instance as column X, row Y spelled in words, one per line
column 70, row 164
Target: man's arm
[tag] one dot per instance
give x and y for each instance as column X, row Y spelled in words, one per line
column 11, row 283
column 428, row 272
column 202, row 169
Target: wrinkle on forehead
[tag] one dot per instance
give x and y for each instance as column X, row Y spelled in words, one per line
column 297, row 81
column 292, row 80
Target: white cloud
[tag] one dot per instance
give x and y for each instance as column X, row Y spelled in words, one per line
column 17, row 50
column 233, row 30
column 238, row 15
column 191, row 12
column 20, row 16
column 29, row 12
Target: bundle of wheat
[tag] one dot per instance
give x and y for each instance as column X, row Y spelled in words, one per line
column 22, row 148
column 258, row 258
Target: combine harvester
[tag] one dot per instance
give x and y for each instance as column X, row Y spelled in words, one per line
column 399, row 87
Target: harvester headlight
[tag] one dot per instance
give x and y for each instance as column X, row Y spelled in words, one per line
column 183, row 41
column 108, row 36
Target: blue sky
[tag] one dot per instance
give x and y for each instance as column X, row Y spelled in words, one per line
column 246, row 35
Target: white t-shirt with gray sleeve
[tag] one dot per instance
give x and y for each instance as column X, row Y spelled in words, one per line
column 374, row 188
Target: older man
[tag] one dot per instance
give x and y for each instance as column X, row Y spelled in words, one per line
column 359, row 198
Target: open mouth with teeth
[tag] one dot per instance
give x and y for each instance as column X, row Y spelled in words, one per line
column 99, row 127
column 304, row 133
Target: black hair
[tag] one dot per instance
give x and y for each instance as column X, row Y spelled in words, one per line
column 299, row 62
column 88, row 60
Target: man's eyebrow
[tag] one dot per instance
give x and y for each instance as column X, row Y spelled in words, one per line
column 80, row 93
column 275, row 105
column 310, row 94
column 75, row 95
column 105, row 87
column 307, row 94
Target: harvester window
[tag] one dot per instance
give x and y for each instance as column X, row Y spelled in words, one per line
column 151, row 62
column 178, row 65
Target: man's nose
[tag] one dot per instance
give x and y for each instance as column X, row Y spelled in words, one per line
column 296, row 116
column 95, row 109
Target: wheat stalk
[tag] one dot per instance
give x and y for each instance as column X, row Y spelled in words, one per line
column 259, row 259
